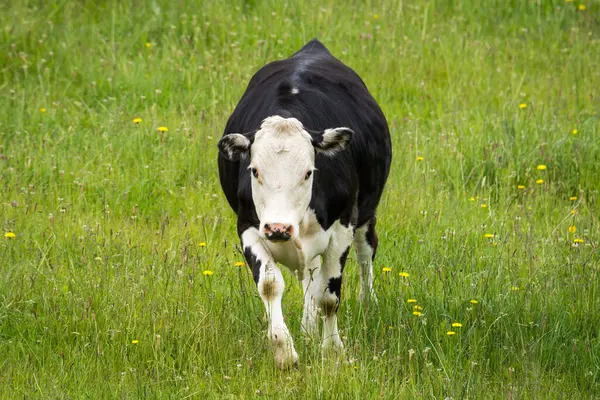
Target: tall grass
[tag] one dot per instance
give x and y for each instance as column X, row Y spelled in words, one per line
column 103, row 291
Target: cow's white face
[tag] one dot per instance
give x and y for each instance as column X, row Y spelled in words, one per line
column 282, row 162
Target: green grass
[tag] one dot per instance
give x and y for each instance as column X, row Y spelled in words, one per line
column 108, row 215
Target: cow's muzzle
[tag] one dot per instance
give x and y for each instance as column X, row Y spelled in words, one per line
column 278, row 232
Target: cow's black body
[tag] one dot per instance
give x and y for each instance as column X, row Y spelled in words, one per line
column 347, row 186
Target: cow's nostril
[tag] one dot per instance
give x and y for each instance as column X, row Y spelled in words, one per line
column 267, row 227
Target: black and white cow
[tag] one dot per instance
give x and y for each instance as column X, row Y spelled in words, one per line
column 303, row 162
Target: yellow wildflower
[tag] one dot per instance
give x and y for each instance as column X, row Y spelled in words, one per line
column 514, row 288
column 450, row 333
column 163, row 129
column 411, row 300
column 417, row 313
column 521, row 187
column 386, row 269
column 239, row 263
column 419, row 158
column 456, row 325
column 10, row 235
column 148, row 44
column 471, row 198
column 137, row 120
column 573, row 212
column 473, row 301
column 207, row 272
column 541, row 167
column 522, row 106
column 488, row 235
column 578, row 240
column 202, row 244
column 483, row 205
column 572, row 229
column 581, row 7
column 574, row 131
column 417, row 308
column 539, row 181
column 375, row 16
column 404, row 274
column 42, row 110
column 573, row 198
column 135, row 341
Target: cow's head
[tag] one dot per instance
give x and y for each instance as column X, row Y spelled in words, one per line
column 282, row 162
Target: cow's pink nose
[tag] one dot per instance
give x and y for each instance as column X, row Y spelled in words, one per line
column 278, row 231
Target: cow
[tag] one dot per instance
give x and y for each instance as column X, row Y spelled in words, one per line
column 303, row 162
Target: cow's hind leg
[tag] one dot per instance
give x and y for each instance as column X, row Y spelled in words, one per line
column 270, row 284
column 329, row 284
column 365, row 246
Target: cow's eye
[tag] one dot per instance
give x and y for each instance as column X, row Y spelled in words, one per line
column 254, row 172
column 308, row 174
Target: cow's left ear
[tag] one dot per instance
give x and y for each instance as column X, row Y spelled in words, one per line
column 331, row 141
column 235, row 145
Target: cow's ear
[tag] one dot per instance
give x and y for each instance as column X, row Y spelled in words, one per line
column 235, row 145
column 331, row 141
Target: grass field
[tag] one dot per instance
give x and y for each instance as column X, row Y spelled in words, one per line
column 118, row 256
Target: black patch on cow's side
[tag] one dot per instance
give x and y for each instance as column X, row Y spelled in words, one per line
column 253, row 262
column 343, row 258
column 335, row 286
column 371, row 236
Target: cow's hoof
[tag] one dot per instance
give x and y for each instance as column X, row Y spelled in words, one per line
column 283, row 346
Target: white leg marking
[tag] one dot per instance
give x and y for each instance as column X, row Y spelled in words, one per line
column 270, row 287
column 311, row 283
column 364, row 255
column 331, row 280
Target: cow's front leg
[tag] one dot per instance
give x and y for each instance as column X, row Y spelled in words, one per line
column 270, row 284
column 311, row 285
column 330, row 281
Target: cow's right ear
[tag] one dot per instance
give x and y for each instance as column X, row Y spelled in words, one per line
column 235, row 145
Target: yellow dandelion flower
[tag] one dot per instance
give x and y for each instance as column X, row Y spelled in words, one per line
column 375, row 16
column 411, row 300
column 581, row 7
column 239, row 263
column 573, row 198
column 136, row 120
column 42, row 110
column 386, row 269
column 10, row 235
column 574, row 131
column 473, row 301
column 521, row 187
column 578, row 240
column 488, row 235
column 522, row 106
column 207, row 272
column 539, row 181
column 404, row 274
column 450, row 333
column 484, row 205
column 419, row 158
column 202, row 244
column 514, row 288
column 541, row 167
column 417, row 308
column 162, row 129
column 573, row 212
column 148, row 44
column 572, row 229
column 135, row 341
column 456, row 325
column 417, row 313
column 471, row 198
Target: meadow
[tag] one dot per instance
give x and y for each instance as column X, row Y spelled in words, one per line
column 120, row 269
